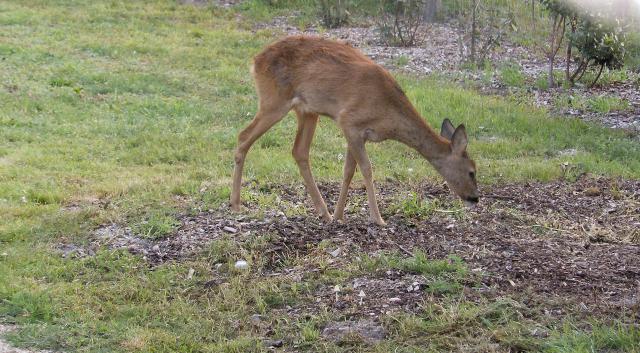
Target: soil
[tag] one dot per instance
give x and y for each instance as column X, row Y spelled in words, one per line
column 570, row 248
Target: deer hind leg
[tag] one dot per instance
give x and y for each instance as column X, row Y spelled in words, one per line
column 349, row 170
column 356, row 147
column 307, row 123
column 263, row 121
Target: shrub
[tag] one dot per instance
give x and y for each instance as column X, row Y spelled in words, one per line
column 333, row 13
column 399, row 21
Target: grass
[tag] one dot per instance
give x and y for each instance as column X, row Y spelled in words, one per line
column 512, row 76
column 127, row 111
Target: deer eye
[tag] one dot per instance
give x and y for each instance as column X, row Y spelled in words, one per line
column 472, row 175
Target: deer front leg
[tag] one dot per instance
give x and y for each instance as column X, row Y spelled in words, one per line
column 356, row 146
column 349, row 170
column 265, row 118
column 306, row 128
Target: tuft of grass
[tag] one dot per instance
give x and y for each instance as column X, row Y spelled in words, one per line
column 607, row 104
column 600, row 338
column 460, row 325
column 156, row 225
column 512, row 76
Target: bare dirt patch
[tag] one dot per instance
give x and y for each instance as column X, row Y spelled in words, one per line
column 570, row 247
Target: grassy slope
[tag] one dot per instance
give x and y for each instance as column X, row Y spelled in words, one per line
column 125, row 107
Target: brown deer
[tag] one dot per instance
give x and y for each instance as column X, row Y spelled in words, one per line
column 315, row 76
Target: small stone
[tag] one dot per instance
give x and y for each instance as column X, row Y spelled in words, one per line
column 230, row 229
column 156, row 248
column 190, row 274
column 394, row 300
column 241, row 265
column 274, row 344
column 336, row 252
column 256, row 319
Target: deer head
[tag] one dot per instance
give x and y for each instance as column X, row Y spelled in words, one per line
column 456, row 167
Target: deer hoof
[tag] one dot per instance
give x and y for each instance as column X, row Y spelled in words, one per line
column 379, row 222
column 327, row 218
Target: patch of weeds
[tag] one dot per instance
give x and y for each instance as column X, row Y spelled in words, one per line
column 607, row 77
column 44, row 197
column 542, row 81
column 309, row 333
column 156, row 225
column 414, row 206
column 216, row 196
column 616, row 338
column 401, row 61
column 457, row 323
column 223, row 251
column 567, row 101
column 512, row 76
column 607, row 104
column 452, row 267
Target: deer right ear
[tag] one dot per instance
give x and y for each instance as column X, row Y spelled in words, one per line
column 447, row 129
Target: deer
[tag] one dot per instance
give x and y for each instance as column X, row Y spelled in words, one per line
column 314, row 76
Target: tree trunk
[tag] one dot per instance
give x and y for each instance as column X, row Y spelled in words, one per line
column 533, row 14
column 474, row 26
column 431, row 10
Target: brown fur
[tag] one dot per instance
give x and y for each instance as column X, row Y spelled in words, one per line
column 315, row 76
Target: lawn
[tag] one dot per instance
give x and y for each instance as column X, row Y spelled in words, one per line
column 127, row 112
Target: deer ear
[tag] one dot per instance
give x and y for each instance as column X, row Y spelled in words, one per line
column 447, row 129
column 459, row 140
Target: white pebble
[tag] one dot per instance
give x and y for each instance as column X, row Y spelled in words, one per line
column 241, row 265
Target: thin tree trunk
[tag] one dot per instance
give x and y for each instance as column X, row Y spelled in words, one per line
column 598, row 76
column 533, row 14
column 473, row 30
column 555, row 41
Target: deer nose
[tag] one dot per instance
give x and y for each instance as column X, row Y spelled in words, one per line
column 473, row 199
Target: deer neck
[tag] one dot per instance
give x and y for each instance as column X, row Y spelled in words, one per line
column 415, row 133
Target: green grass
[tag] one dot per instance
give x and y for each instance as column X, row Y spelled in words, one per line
column 512, row 76
column 129, row 111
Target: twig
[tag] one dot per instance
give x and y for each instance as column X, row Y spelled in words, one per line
column 404, row 250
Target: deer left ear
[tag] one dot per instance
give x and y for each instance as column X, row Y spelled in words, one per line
column 459, row 140
column 447, row 129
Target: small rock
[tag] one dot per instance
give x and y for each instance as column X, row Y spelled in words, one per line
column 230, row 230
column 256, row 319
column 394, row 300
column 336, row 252
column 190, row 274
column 274, row 344
column 156, row 248
column 241, row 265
